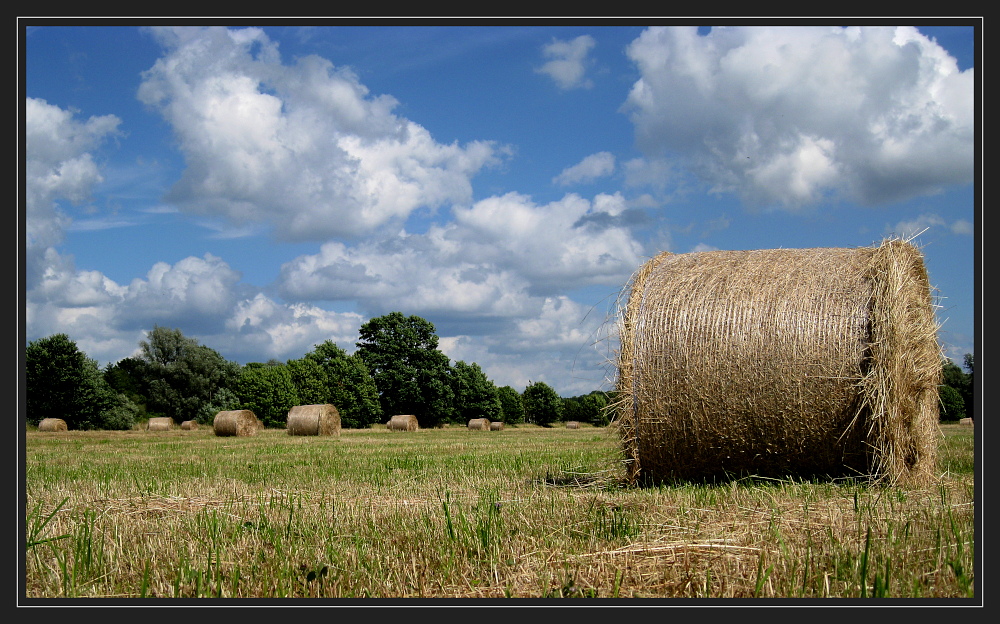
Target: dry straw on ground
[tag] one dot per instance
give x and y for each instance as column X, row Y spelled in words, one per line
column 572, row 424
column 160, row 423
column 403, row 422
column 496, row 426
column 189, row 425
column 479, row 424
column 314, row 420
column 783, row 362
column 240, row 423
column 52, row 424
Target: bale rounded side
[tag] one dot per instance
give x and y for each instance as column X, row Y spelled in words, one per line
column 53, row 424
column 189, row 425
column 403, row 422
column 313, row 420
column 572, row 424
column 496, row 426
column 479, row 424
column 160, row 423
column 241, row 423
column 781, row 362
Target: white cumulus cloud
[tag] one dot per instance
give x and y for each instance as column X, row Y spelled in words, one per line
column 590, row 168
column 785, row 117
column 568, row 62
column 303, row 147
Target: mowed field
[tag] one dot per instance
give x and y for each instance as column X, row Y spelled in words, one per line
column 525, row 512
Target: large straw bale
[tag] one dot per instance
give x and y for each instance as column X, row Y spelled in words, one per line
column 403, row 422
column 240, row 423
column 816, row 362
column 572, row 424
column 52, row 424
column 967, row 422
column 479, row 424
column 160, row 423
column 314, row 420
column 496, row 426
column 189, row 425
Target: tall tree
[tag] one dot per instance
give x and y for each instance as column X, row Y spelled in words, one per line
column 267, row 391
column 475, row 395
column 510, row 402
column 185, row 380
column 62, row 382
column 411, row 374
column 542, row 405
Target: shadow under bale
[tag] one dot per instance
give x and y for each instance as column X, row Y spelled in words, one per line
column 780, row 363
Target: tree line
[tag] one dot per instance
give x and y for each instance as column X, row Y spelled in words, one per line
column 957, row 390
column 397, row 368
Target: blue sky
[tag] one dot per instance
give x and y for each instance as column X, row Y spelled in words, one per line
column 266, row 188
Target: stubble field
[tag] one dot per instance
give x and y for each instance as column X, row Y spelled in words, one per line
column 526, row 512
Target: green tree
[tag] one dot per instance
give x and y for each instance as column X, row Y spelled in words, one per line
column 969, row 392
column 542, row 405
column 183, row 379
column 510, row 402
column 411, row 374
column 511, row 405
column 951, row 405
column 62, row 382
column 589, row 408
column 475, row 395
column 347, row 384
column 310, row 381
column 267, row 391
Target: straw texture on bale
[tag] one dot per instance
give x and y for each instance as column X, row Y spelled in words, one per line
column 189, row 425
column 403, row 422
column 572, row 424
column 496, row 426
column 966, row 422
column 816, row 362
column 52, row 424
column 314, row 420
column 160, row 423
column 479, row 424
column 242, row 423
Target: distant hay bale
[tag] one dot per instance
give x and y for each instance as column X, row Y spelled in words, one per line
column 816, row 362
column 479, row 424
column 189, row 425
column 496, row 426
column 241, row 423
column 160, row 423
column 966, row 422
column 572, row 424
column 52, row 424
column 403, row 422
column 314, row 420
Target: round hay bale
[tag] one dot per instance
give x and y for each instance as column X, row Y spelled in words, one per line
column 189, row 425
column 966, row 422
column 240, row 423
column 403, row 422
column 314, row 420
column 572, row 424
column 160, row 423
column 496, row 426
column 479, row 424
column 52, row 424
column 816, row 362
